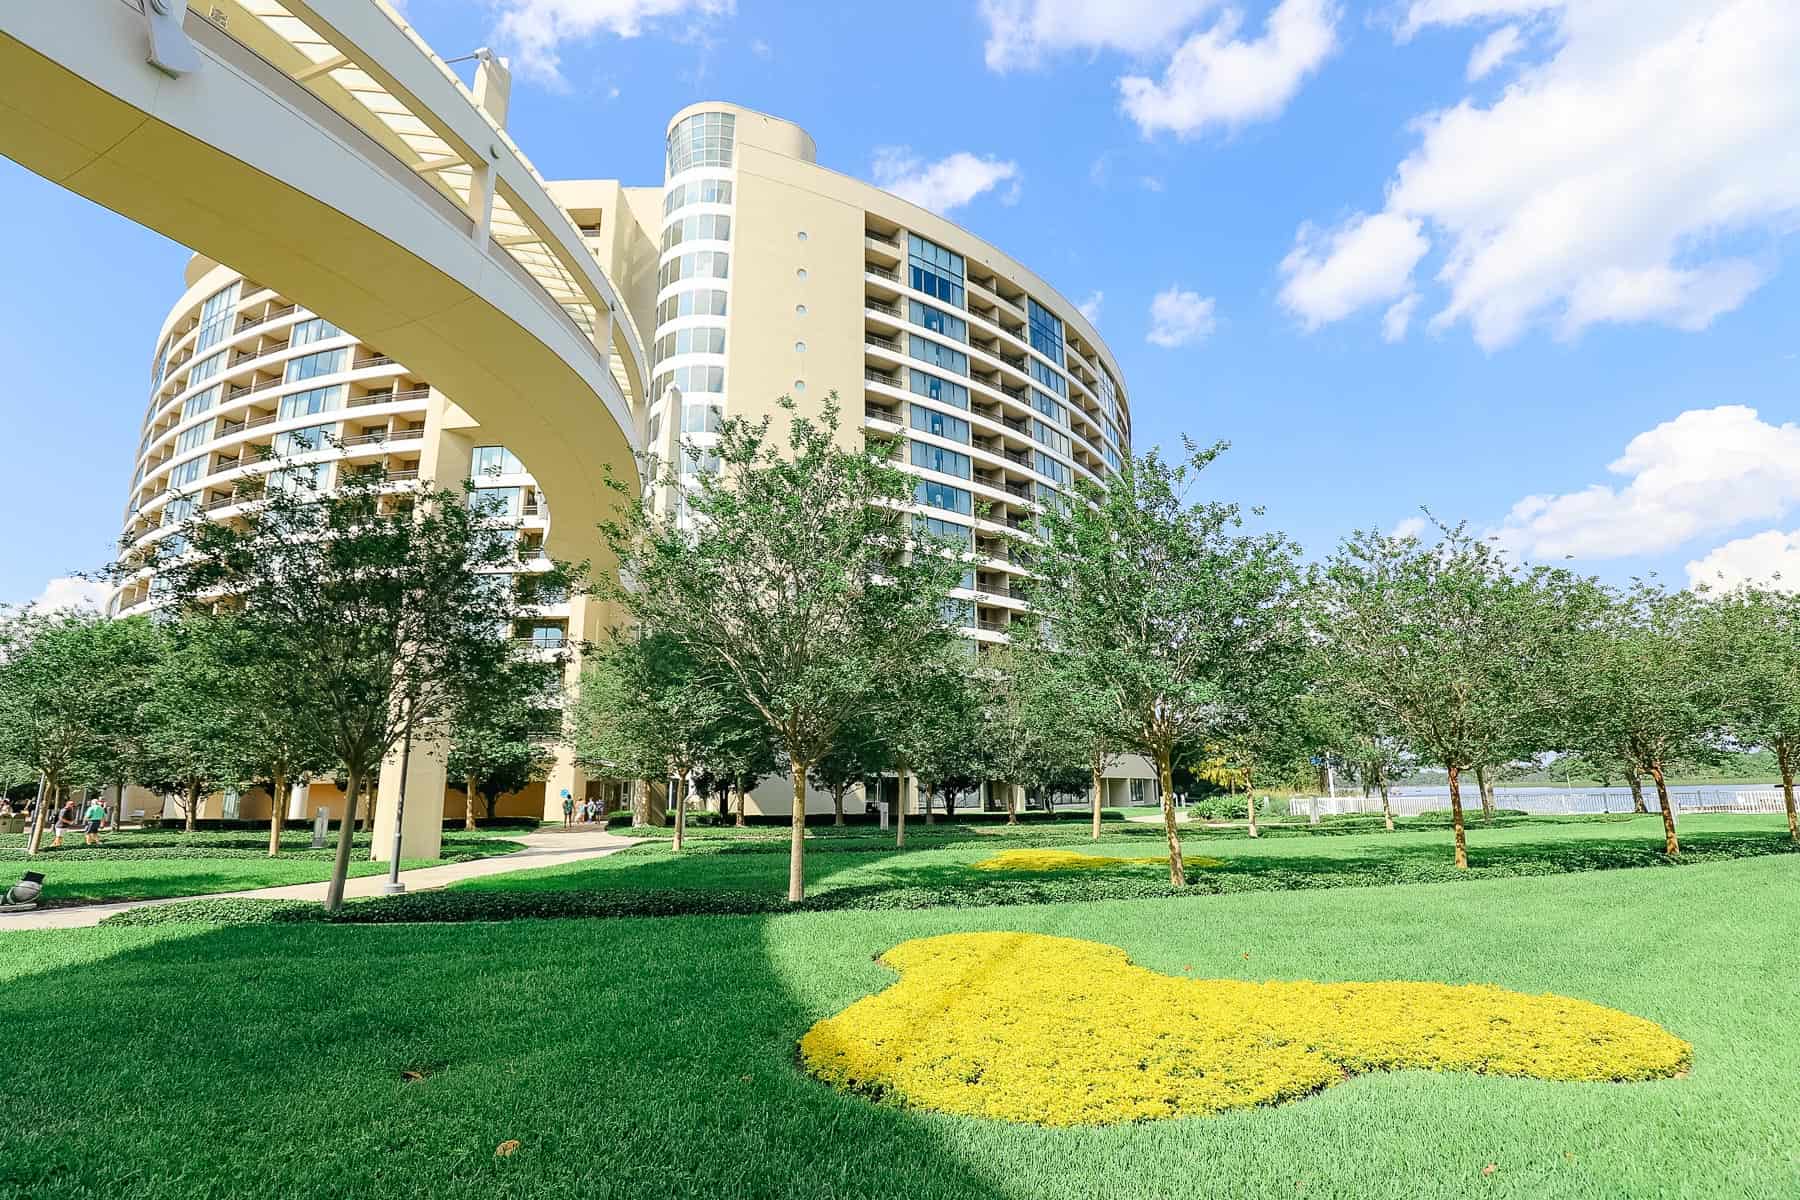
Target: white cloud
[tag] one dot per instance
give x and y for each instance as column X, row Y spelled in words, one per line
column 1090, row 308
column 1023, row 33
column 1462, row 12
column 1769, row 558
column 1370, row 259
column 1394, row 322
column 762, row 49
column 1216, row 79
column 1707, row 471
column 947, row 183
column 537, row 30
column 1410, row 527
column 1178, row 318
column 72, row 591
column 1494, row 49
column 1617, row 177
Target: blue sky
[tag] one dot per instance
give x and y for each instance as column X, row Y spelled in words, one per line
column 1524, row 261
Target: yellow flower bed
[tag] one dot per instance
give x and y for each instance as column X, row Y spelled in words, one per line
column 1057, row 1031
column 1072, row 860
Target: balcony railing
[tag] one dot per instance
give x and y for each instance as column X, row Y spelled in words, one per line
column 886, row 343
column 251, row 321
column 881, row 377
column 373, row 360
column 881, row 272
column 882, row 238
column 394, row 397
column 403, row 476
column 881, row 414
column 877, row 306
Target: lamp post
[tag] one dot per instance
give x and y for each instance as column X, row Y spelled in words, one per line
column 393, row 886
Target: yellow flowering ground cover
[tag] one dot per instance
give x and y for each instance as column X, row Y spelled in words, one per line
column 1057, row 1031
column 1072, row 860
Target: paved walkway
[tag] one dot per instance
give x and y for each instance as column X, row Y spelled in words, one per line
column 543, row 848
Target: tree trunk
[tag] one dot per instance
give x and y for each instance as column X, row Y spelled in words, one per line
column 1487, row 793
column 1387, row 809
column 1012, row 804
column 1250, row 807
column 46, row 797
column 469, row 801
column 1671, row 843
column 193, row 805
column 118, row 809
column 1096, row 805
column 1165, row 771
column 1784, row 754
column 681, row 789
column 949, row 804
column 277, row 809
column 1637, row 790
column 930, row 812
column 340, row 863
column 900, row 810
column 737, row 786
column 797, row 838
column 837, row 805
column 1456, row 819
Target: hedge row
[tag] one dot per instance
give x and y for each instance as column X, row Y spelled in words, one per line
column 471, row 905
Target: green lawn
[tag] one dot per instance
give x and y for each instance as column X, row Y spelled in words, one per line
column 861, row 867
column 656, row 1058
column 151, row 864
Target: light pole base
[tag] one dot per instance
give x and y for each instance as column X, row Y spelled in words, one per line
column 393, row 888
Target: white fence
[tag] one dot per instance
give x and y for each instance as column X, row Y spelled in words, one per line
column 1686, row 800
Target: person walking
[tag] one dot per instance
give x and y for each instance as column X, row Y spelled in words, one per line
column 568, row 810
column 65, row 819
column 95, row 815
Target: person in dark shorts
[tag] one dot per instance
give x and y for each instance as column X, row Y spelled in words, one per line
column 95, row 815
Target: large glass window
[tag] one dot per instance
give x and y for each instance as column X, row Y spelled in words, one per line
column 313, row 400
column 701, row 418
column 205, row 369
column 311, row 366
column 939, row 321
column 937, row 354
column 215, row 318
column 702, row 140
column 494, row 460
column 942, row 495
column 943, row 425
column 698, row 191
column 957, row 612
column 1048, row 407
column 194, row 438
column 704, row 339
column 935, row 271
column 300, row 441
column 690, row 379
column 693, row 302
column 199, row 402
column 315, row 330
column 1050, row 467
column 941, row 390
column 941, row 530
column 703, row 264
column 937, row 458
column 498, row 503
column 1049, row 378
column 1045, row 435
column 1046, row 331
column 713, row 227
column 177, row 510
column 185, row 473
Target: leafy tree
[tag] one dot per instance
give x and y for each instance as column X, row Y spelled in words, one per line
column 500, row 733
column 1748, row 644
column 738, row 750
column 1053, row 694
column 194, row 732
column 793, row 583
column 1160, row 604
column 382, row 603
column 137, row 645
column 58, row 675
column 645, row 709
column 1446, row 645
column 858, row 754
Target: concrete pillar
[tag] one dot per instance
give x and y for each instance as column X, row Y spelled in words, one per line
column 423, row 832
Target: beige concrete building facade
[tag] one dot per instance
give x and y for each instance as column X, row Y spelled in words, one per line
column 753, row 273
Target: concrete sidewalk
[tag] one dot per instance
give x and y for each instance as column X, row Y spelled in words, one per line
column 543, row 848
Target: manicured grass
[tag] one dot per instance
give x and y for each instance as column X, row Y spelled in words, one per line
column 657, row 1057
column 861, row 872
column 152, row 864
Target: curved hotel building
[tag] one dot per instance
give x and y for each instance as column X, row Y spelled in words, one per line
column 757, row 274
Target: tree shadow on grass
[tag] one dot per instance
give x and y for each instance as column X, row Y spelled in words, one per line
column 626, row 1058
